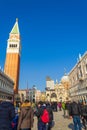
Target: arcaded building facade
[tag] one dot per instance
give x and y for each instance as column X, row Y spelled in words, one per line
column 78, row 79
column 6, row 86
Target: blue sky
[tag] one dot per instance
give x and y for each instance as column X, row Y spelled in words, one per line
column 53, row 33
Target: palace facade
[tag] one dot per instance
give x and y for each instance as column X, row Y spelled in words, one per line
column 78, row 79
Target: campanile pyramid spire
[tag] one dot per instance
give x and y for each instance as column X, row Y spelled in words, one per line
column 15, row 29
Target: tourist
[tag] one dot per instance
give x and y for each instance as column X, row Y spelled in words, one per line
column 26, row 117
column 15, row 120
column 51, row 118
column 7, row 113
column 75, row 112
column 40, row 109
column 64, row 108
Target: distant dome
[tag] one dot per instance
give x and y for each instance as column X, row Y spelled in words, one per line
column 65, row 79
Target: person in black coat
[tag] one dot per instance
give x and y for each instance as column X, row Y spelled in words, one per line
column 7, row 113
column 84, row 115
column 39, row 112
column 75, row 112
column 49, row 109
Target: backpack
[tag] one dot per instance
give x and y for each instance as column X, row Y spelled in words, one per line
column 45, row 116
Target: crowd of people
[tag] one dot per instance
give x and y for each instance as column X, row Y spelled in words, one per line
column 77, row 111
column 21, row 116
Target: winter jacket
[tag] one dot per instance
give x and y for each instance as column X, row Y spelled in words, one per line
column 84, row 110
column 63, row 106
column 39, row 112
column 49, row 109
column 7, row 113
column 67, row 105
column 25, row 117
column 75, row 109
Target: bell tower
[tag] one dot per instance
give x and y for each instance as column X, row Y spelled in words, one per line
column 12, row 62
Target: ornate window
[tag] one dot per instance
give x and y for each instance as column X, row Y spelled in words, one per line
column 53, row 95
column 86, row 68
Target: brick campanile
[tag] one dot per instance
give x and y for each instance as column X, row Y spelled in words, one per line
column 12, row 62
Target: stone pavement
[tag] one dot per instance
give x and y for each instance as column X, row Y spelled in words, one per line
column 61, row 123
